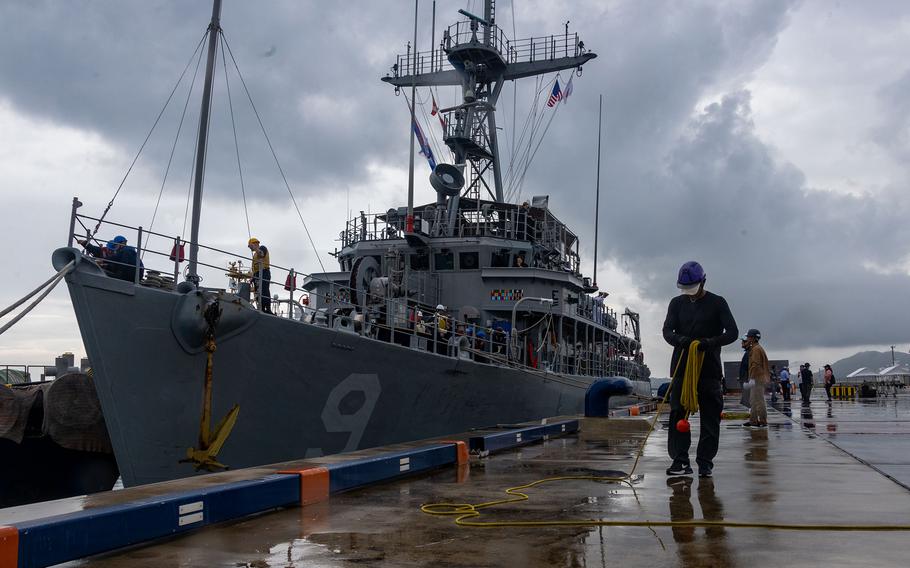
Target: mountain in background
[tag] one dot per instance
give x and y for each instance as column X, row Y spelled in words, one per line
column 874, row 360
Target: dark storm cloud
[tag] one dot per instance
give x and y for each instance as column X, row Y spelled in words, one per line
column 684, row 175
column 812, row 268
column 109, row 68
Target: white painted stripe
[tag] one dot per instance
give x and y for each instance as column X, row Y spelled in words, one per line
column 189, row 508
column 518, row 437
column 190, row 519
column 404, row 467
column 404, row 461
column 563, row 427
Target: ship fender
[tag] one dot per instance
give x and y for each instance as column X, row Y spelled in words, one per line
column 597, row 398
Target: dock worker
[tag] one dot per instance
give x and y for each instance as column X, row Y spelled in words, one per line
column 702, row 315
column 785, row 383
column 120, row 259
column 261, row 274
column 805, row 385
column 759, row 377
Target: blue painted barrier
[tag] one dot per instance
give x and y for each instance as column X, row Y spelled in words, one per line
column 597, row 398
column 499, row 441
column 359, row 472
column 44, row 542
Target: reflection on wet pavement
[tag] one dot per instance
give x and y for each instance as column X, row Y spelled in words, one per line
column 787, row 473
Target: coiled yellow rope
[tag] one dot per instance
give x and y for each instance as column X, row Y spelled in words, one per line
column 692, row 372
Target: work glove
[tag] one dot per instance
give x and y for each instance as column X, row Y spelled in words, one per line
column 684, row 341
column 705, row 344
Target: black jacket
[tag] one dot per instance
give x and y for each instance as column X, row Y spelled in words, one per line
column 707, row 319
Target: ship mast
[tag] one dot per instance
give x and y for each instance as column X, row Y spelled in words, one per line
column 213, row 31
column 480, row 63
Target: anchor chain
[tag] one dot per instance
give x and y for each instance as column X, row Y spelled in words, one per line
column 211, row 441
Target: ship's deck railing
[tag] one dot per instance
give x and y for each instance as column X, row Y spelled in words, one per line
column 393, row 320
column 373, row 227
column 488, row 220
column 542, row 48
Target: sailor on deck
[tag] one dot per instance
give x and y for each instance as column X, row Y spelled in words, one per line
column 261, row 274
column 120, row 259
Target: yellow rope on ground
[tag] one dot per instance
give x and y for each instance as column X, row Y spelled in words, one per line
column 464, row 512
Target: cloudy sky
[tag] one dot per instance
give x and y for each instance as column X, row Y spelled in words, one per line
column 767, row 139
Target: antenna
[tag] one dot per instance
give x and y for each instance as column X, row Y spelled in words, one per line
column 600, row 109
column 409, row 220
column 214, row 28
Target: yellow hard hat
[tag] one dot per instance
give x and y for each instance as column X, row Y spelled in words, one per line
column 253, row 240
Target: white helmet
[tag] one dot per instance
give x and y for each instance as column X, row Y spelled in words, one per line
column 440, row 307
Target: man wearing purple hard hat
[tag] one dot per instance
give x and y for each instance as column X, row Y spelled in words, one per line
column 697, row 314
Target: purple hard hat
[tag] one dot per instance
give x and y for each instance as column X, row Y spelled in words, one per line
column 691, row 275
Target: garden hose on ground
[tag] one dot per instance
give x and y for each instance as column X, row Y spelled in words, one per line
column 466, row 513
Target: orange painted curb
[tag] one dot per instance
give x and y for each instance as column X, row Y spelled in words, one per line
column 314, row 484
column 461, row 450
column 9, row 547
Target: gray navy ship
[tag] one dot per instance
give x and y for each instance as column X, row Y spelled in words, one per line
column 465, row 312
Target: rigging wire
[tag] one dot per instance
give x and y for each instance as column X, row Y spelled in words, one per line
column 227, row 85
column 272, row 149
column 536, row 148
column 170, row 159
column 149, row 135
column 514, row 87
column 529, row 120
column 535, row 118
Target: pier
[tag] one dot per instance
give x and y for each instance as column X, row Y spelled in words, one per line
column 841, row 465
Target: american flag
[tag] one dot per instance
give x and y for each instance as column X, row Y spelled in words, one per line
column 555, row 95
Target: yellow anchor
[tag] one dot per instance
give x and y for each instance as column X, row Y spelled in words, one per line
column 210, row 442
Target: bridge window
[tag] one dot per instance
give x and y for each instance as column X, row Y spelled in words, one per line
column 420, row 262
column 444, row 261
column 468, row 260
column 500, row 259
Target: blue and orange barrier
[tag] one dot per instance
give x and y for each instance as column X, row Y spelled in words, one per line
column 62, row 538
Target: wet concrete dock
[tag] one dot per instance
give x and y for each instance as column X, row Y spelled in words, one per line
column 828, row 463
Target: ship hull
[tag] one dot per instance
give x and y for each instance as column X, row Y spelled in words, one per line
column 303, row 390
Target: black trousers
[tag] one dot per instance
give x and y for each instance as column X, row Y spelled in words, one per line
column 262, row 290
column 785, row 389
column 805, row 389
column 710, row 405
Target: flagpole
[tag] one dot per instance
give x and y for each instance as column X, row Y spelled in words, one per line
column 409, row 220
column 597, row 199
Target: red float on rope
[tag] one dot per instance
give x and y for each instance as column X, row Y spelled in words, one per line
column 682, row 425
column 290, row 283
